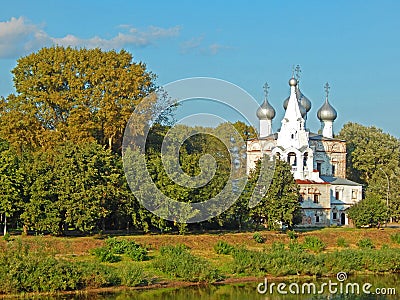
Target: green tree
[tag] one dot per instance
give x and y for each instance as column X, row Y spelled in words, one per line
column 246, row 131
column 387, row 189
column 368, row 150
column 369, row 212
column 75, row 95
column 80, row 186
column 280, row 206
column 11, row 183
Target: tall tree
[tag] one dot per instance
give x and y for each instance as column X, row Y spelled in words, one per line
column 73, row 94
column 280, row 206
column 371, row 211
column 11, row 183
column 368, row 150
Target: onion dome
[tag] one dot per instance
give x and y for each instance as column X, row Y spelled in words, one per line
column 265, row 111
column 304, row 101
column 327, row 112
column 303, row 111
column 286, row 102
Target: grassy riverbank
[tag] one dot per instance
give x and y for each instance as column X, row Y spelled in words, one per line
column 50, row 264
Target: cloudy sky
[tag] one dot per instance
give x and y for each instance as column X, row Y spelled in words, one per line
column 354, row 45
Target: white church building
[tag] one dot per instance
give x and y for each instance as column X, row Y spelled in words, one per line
column 318, row 160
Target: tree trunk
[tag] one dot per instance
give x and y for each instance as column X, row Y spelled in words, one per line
column 5, row 224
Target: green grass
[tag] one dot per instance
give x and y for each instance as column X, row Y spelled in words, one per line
column 177, row 261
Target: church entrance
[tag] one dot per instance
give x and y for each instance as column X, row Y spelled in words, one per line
column 343, row 219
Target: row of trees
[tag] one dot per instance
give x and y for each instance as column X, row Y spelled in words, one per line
column 373, row 158
column 61, row 143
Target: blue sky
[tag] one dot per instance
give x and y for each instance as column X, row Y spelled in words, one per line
column 354, row 45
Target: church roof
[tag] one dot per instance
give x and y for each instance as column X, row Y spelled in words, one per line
column 339, row 181
column 319, row 137
column 307, row 181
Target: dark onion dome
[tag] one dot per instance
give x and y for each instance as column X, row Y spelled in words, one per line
column 304, row 101
column 265, row 111
column 327, row 112
column 303, row 111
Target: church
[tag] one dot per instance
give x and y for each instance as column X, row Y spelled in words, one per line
column 318, row 160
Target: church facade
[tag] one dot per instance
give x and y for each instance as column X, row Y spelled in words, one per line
column 318, row 160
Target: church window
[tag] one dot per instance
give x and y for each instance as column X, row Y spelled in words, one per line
column 319, row 165
column 316, row 219
column 316, row 198
column 354, row 194
column 292, row 159
column 292, row 136
column 305, row 158
column 334, row 216
column 337, row 195
column 333, row 170
column 301, row 198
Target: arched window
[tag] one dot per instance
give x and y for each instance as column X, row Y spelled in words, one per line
column 305, row 158
column 292, row 159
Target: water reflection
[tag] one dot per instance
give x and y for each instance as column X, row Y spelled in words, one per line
column 244, row 291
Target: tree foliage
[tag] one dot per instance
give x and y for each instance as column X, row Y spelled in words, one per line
column 373, row 158
column 368, row 150
column 369, row 212
column 75, row 95
column 280, row 206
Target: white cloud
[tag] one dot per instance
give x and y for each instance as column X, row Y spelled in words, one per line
column 196, row 45
column 18, row 36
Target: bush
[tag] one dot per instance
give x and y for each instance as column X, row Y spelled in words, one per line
column 277, row 262
column 104, row 254
column 222, row 247
column 365, row 243
column 24, row 270
column 341, row 242
column 132, row 275
column 7, row 237
column 258, row 237
column 395, row 238
column 178, row 262
column 278, row 246
column 292, row 235
column 130, row 248
column 314, row 244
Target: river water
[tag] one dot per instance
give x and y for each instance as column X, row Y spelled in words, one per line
column 385, row 286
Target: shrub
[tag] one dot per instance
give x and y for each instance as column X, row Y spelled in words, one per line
column 25, row 270
column 314, row 244
column 277, row 246
column 104, row 254
column 130, row 248
column 278, row 262
column 365, row 243
column 258, row 237
column 7, row 237
column 178, row 262
column 292, row 235
column 395, row 238
column 222, row 247
column 341, row 242
column 132, row 275
column 385, row 247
